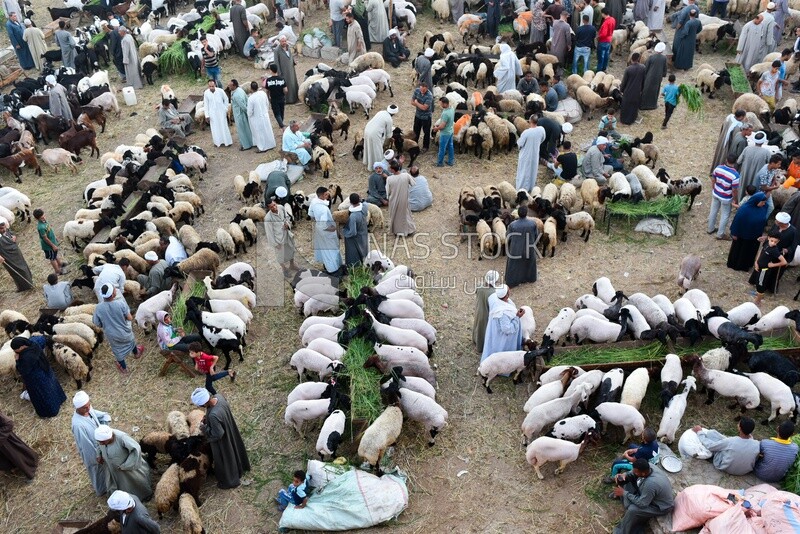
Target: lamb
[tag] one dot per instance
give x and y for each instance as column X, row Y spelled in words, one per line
column 689, row 270
column 190, row 514
column 573, row 428
column 381, row 435
column 508, row 362
column 774, row 320
column 546, row 449
column 195, row 419
column 673, row 413
column 635, row 388
column 775, row 364
column 330, row 436
column 685, row 311
column 177, row 424
column 598, row 331
column 107, row 101
column 651, row 312
column 727, row 385
column 628, row 417
column 238, row 269
column 549, row 412
column 558, row 327
column 779, row 395
column 238, row 292
column 307, row 410
column 167, row 490
column 306, row 359
column 256, row 213
column 146, row 312
column 591, row 194
column 73, row 364
column 337, row 322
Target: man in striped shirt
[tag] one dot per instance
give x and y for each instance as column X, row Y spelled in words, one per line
column 724, row 183
column 777, row 454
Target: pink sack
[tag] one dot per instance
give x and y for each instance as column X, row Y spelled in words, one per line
column 781, row 513
column 697, row 504
column 732, row 521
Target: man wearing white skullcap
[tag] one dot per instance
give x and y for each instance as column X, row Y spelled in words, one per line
column 503, row 330
column 376, row 132
column 278, row 226
column 34, row 37
column 114, row 317
column 156, row 280
column 227, row 446
column 85, row 421
column 483, row 294
column 422, row 64
column 393, row 50
column 134, row 516
column 752, row 160
column 126, row 468
column 593, row 165
column 655, row 68
column 276, row 179
column 57, row 96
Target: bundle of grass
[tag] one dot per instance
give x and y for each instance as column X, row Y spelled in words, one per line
column 179, row 308
column 174, row 59
column 661, row 207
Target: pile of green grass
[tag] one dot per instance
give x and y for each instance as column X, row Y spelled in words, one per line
column 739, row 83
column 174, row 59
column 358, row 277
column 504, row 29
column 663, row 207
column 96, row 38
column 179, row 308
column 792, row 480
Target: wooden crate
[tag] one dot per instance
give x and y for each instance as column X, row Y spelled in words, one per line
column 11, row 78
column 68, row 526
column 730, row 65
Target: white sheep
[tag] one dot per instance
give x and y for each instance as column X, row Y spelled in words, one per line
column 700, row 301
column 177, row 425
column 635, row 387
column 573, row 428
column 672, row 370
column 380, row 435
column 651, row 185
column 306, row 410
column 238, row 292
column 780, row 396
column 146, row 312
column 558, row 327
column 774, row 320
column 320, row 331
column 689, row 270
column 686, row 311
column 307, row 391
column 337, row 322
column 651, row 312
column 190, row 514
column 665, row 304
column 595, row 330
column 74, row 365
column 554, row 373
column 306, row 359
column 398, row 336
column 746, row 313
column 549, row 412
column 591, row 312
column 527, row 323
column 546, row 449
column 330, row 436
column 505, row 363
column 425, row 410
column 395, row 284
column 620, row 188
column 719, row 359
column 418, row 325
column 236, row 270
column 638, row 324
column 673, row 413
column 727, row 385
column 328, row 348
column 590, row 301
column 231, row 306
column 622, row 415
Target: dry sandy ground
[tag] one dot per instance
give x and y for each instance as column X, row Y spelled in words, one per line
column 500, row 492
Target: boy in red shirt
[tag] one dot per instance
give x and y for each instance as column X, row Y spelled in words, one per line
column 205, row 364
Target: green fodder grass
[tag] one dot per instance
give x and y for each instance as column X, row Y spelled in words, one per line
column 358, row 277
column 174, row 59
column 365, row 397
column 792, row 480
column 179, row 308
column 664, row 207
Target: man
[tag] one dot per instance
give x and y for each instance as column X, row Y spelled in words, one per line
column 283, row 31
column 751, row 161
column 445, row 128
column 34, row 37
column 85, row 421
column 115, row 47
column 604, row 39
column 529, row 144
column 16, row 34
column 356, row 237
column 597, row 10
column 216, row 103
column 492, row 17
column 57, row 98
column 777, row 454
column 155, row 281
column 126, row 470
column 616, row 9
column 376, row 186
column 593, row 165
column 683, row 15
column 12, row 6
column 169, row 119
column 507, row 69
column 210, row 61
column 503, row 329
column 296, row 142
column 730, row 126
column 57, row 295
column 483, row 295
column 632, row 86
column 67, row 44
column 419, row 196
column 521, row 250
column 275, row 180
column 398, row 186
column 769, row 27
column 584, row 42
column 241, row 27
column 130, row 59
column 549, row 94
column 560, row 87
column 337, row 21
column 278, row 226
column 378, row 21
column 422, row 100
column 655, row 68
column 393, row 50
column 355, row 38
column 646, row 493
column 15, row 453
column 640, row 10
column 781, row 10
column 258, row 117
column 48, row 241
column 736, row 455
column 751, row 47
column 110, row 273
column 561, row 38
column 655, row 16
column 285, row 63
column 528, row 84
column 227, row 447
column 326, row 242
column 253, row 45
column 724, row 196
column 719, row 8
column 240, row 118
column 552, row 137
column 423, row 67
column 134, row 517
column 766, row 179
column 276, row 86
column 740, row 140
column 114, row 316
column 378, row 129
column 174, row 251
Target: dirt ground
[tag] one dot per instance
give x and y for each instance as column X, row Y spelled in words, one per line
column 499, row 492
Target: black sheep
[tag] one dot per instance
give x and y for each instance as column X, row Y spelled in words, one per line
column 772, row 363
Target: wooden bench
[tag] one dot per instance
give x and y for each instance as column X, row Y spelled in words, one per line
column 176, row 357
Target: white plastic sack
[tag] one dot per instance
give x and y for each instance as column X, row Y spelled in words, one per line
column 570, row 109
column 295, row 172
column 321, row 473
column 690, row 446
column 356, row 499
column 655, row 225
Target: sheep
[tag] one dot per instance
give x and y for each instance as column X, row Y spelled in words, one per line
column 558, row 327
column 238, row 269
column 700, row 300
column 418, row 325
column 651, row 312
column 414, row 359
column 308, row 391
column 689, row 271
column 727, row 385
column 306, row 359
column 592, row 378
column 777, row 365
column 167, row 490
column 687, row 186
column 652, row 186
column 79, row 329
column 599, row 331
column 620, row 188
column 76, row 343
column 192, row 473
column 195, row 419
column 732, row 335
column 323, row 159
column 549, row 237
column 320, row 330
column 380, row 435
column 610, row 386
column 774, row 320
column 573, row 428
column 508, row 362
column 10, row 316
column 306, row 410
column 238, row 292
column 107, row 101
column 754, row 104
column 673, row 413
column 591, row 101
column 549, row 412
column 190, row 514
column 398, row 336
column 671, row 376
column 75, row 231
column 202, row 260
column 546, row 449
column 330, row 436
column 635, row 387
column 177, row 424
column 189, row 238
column 328, row 348
column 396, row 379
column 423, row 409
column 370, row 60
column 227, row 320
column 618, row 414
column 58, row 156
column 708, row 81
column 780, row 396
column 73, row 364
column 80, row 309
column 146, row 312
column 746, row 313
column 569, row 198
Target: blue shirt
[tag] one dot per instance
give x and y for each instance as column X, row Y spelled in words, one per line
column 670, row 93
column 647, row 450
column 249, row 44
column 777, row 459
column 551, row 99
column 298, row 493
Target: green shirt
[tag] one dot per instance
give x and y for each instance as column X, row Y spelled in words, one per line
column 45, row 230
column 448, row 115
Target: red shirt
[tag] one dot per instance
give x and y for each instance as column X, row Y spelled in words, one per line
column 606, row 30
column 204, row 362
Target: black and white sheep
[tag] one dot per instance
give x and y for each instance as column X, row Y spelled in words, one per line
column 508, row 362
column 330, row 436
column 728, row 385
column 673, row 413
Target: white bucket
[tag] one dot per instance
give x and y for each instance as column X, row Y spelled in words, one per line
column 129, row 95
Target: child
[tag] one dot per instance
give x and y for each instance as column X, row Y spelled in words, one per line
column 205, row 364
column 171, row 339
column 670, row 93
column 608, row 123
column 48, row 242
column 750, row 190
column 770, row 258
column 295, row 493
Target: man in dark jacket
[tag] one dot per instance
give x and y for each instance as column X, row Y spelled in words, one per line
column 393, row 50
